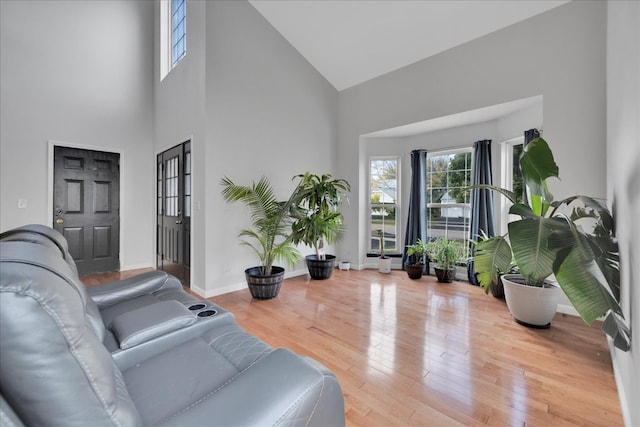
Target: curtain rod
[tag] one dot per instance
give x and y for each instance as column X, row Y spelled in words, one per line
column 444, row 149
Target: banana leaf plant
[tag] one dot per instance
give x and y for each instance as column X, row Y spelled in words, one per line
column 573, row 239
column 270, row 237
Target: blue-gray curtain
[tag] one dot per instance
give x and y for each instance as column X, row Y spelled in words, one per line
column 417, row 219
column 530, row 135
column 482, row 214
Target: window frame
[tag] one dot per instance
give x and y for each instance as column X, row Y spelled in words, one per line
column 397, row 205
column 506, row 179
column 167, row 60
column 439, row 205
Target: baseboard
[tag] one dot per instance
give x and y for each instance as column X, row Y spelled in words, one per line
column 567, row 309
column 136, row 267
column 223, row 290
column 622, row 395
column 238, row 286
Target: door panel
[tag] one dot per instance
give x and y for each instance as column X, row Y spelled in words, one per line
column 86, row 207
column 173, row 221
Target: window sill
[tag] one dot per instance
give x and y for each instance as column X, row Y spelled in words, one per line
column 377, row 255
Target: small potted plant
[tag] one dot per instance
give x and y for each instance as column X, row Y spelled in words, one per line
column 572, row 239
column 317, row 220
column 416, row 253
column 446, row 254
column 384, row 262
column 270, row 238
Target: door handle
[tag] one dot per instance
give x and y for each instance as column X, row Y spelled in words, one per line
column 179, row 220
column 58, row 214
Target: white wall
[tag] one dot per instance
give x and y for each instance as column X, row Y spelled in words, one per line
column 269, row 112
column 568, row 46
column 497, row 130
column 77, row 73
column 254, row 107
column 179, row 115
column 623, row 184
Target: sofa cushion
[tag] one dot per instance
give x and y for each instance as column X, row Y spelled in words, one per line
column 55, row 370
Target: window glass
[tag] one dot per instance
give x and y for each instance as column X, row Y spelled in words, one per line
column 159, row 187
column 448, row 202
column 178, row 30
column 510, row 179
column 517, row 184
column 384, row 204
column 187, row 184
column 171, row 183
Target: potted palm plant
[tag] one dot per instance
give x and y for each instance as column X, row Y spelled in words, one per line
column 572, row 239
column 270, row 237
column 416, row 253
column 446, row 254
column 317, row 220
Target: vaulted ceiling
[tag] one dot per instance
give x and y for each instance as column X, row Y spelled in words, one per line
column 350, row 42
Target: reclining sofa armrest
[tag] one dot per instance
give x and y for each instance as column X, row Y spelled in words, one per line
column 149, row 322
column 112, row 293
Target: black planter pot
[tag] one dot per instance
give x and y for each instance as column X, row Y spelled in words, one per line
column 320, row 269
column 264, row 287
column 414, row 271
column 497, row 288
column 445, row 276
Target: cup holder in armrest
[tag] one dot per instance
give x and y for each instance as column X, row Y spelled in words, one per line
column 207, row 313
column 207, row 310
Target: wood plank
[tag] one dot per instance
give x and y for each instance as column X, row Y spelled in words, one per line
column 418, row 352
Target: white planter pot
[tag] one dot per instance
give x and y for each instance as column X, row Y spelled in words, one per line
column 530, row 305
column 384, row 265
column 344, row 265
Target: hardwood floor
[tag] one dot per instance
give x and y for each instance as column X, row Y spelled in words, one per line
column 423, row 353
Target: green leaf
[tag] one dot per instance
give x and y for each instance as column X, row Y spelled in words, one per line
column 606, row 256
column 582, row 281
column 614, row 326
column 523, row 210
column 513, row 197
column 270, row 218
column 492, row 256
column 529, row 241
column 315, row 209
column 537, row 164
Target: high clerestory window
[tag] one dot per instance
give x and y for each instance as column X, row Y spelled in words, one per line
column 173, row 34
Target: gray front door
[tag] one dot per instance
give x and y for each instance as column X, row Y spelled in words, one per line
column 174, row 212
column 86, row 206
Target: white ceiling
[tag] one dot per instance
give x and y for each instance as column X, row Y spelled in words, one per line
column 352, row 41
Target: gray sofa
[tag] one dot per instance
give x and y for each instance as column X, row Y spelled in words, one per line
column 138, row 352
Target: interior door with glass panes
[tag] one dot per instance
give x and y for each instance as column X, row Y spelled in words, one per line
column 174, row 212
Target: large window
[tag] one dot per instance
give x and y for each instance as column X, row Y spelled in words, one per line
column 448, row 202
column 511, row 177
column 173, row 34
column 384, row 190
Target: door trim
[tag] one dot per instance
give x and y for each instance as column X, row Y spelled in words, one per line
column 51, row 144
column 195, row 210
